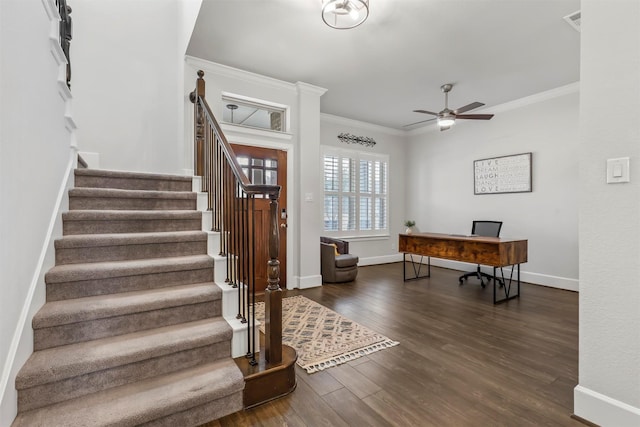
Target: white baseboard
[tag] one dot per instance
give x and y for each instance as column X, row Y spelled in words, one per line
column 550, row 281
column 307, row 282
column 603, row 410
column 21, row 345
column 525, row 276
column 383, row 259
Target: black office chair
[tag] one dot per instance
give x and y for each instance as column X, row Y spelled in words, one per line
column 487, row 229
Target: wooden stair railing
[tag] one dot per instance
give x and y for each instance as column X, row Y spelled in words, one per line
column 231, row 198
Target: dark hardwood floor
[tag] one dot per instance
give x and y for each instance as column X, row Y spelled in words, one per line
column 462, row 361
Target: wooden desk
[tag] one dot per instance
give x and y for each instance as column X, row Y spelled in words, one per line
column 492, row 251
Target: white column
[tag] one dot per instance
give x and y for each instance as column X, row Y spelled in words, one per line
column 308, row 186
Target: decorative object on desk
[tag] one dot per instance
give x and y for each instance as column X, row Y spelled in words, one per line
column 347, row 138
column 505, row 174
column 321, row 337
column 409, row 224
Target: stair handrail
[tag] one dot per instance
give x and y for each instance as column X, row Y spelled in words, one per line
column 231, row 197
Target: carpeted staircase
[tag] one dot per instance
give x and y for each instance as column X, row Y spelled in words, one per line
column 132, row 332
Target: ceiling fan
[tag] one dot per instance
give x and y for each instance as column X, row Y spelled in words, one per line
column 446, row 118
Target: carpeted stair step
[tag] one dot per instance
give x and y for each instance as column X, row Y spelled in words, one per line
column 126, row 221
column 60, row 323
column 57, row 374
column 83, row 280
column 186, row 398
column 129, row 246
column 132, row 332
column 96, row 178
column 114, row 199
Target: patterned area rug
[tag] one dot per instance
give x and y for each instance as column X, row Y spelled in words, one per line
column 321, row 337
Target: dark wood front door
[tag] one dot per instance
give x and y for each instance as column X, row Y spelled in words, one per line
column 266, row 166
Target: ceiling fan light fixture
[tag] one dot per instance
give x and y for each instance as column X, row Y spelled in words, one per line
column 446, row 121
column 344, row 14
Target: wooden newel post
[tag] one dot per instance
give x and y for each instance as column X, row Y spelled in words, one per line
column 273, row 293
column 198, row 149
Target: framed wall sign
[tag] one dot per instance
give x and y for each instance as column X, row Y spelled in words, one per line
column 506, row 174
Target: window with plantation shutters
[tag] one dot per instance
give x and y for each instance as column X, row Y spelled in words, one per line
column 355, row 192
column 331, row 193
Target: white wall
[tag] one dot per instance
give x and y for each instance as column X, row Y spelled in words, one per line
column 126, row 77
column 36, row 157
column 608, row 393
column 187, row 14
column 440, row 181
column 392, row 143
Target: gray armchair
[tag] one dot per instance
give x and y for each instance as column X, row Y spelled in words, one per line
column 337, row 268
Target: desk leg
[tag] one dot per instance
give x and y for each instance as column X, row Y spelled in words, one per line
column 506, row 285
column 416, row 270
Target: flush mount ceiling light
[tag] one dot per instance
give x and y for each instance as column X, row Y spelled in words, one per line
column 344, row 14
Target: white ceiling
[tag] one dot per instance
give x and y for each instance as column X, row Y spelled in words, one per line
column 494, row 51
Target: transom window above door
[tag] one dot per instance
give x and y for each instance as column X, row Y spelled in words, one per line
column 244, row 111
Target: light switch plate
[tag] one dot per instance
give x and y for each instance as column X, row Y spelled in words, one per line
column 617, row 170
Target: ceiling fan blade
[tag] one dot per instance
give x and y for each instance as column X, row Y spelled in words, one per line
column 468, row 107
column 474, row 116
column 445, row 128
column 425, row 112
column 421, row 121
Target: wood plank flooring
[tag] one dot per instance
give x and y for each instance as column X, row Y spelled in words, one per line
column 462, row 361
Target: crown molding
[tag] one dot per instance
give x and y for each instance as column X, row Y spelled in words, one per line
column 309, row 88
column 535, row 98
column 236, row 73
column 330, row 118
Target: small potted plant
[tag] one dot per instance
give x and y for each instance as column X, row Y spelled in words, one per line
column 409, row 224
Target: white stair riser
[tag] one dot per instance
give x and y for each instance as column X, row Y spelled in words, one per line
column 196, row 184
column 240, row 334
column 202, row 202
column 207, row 221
